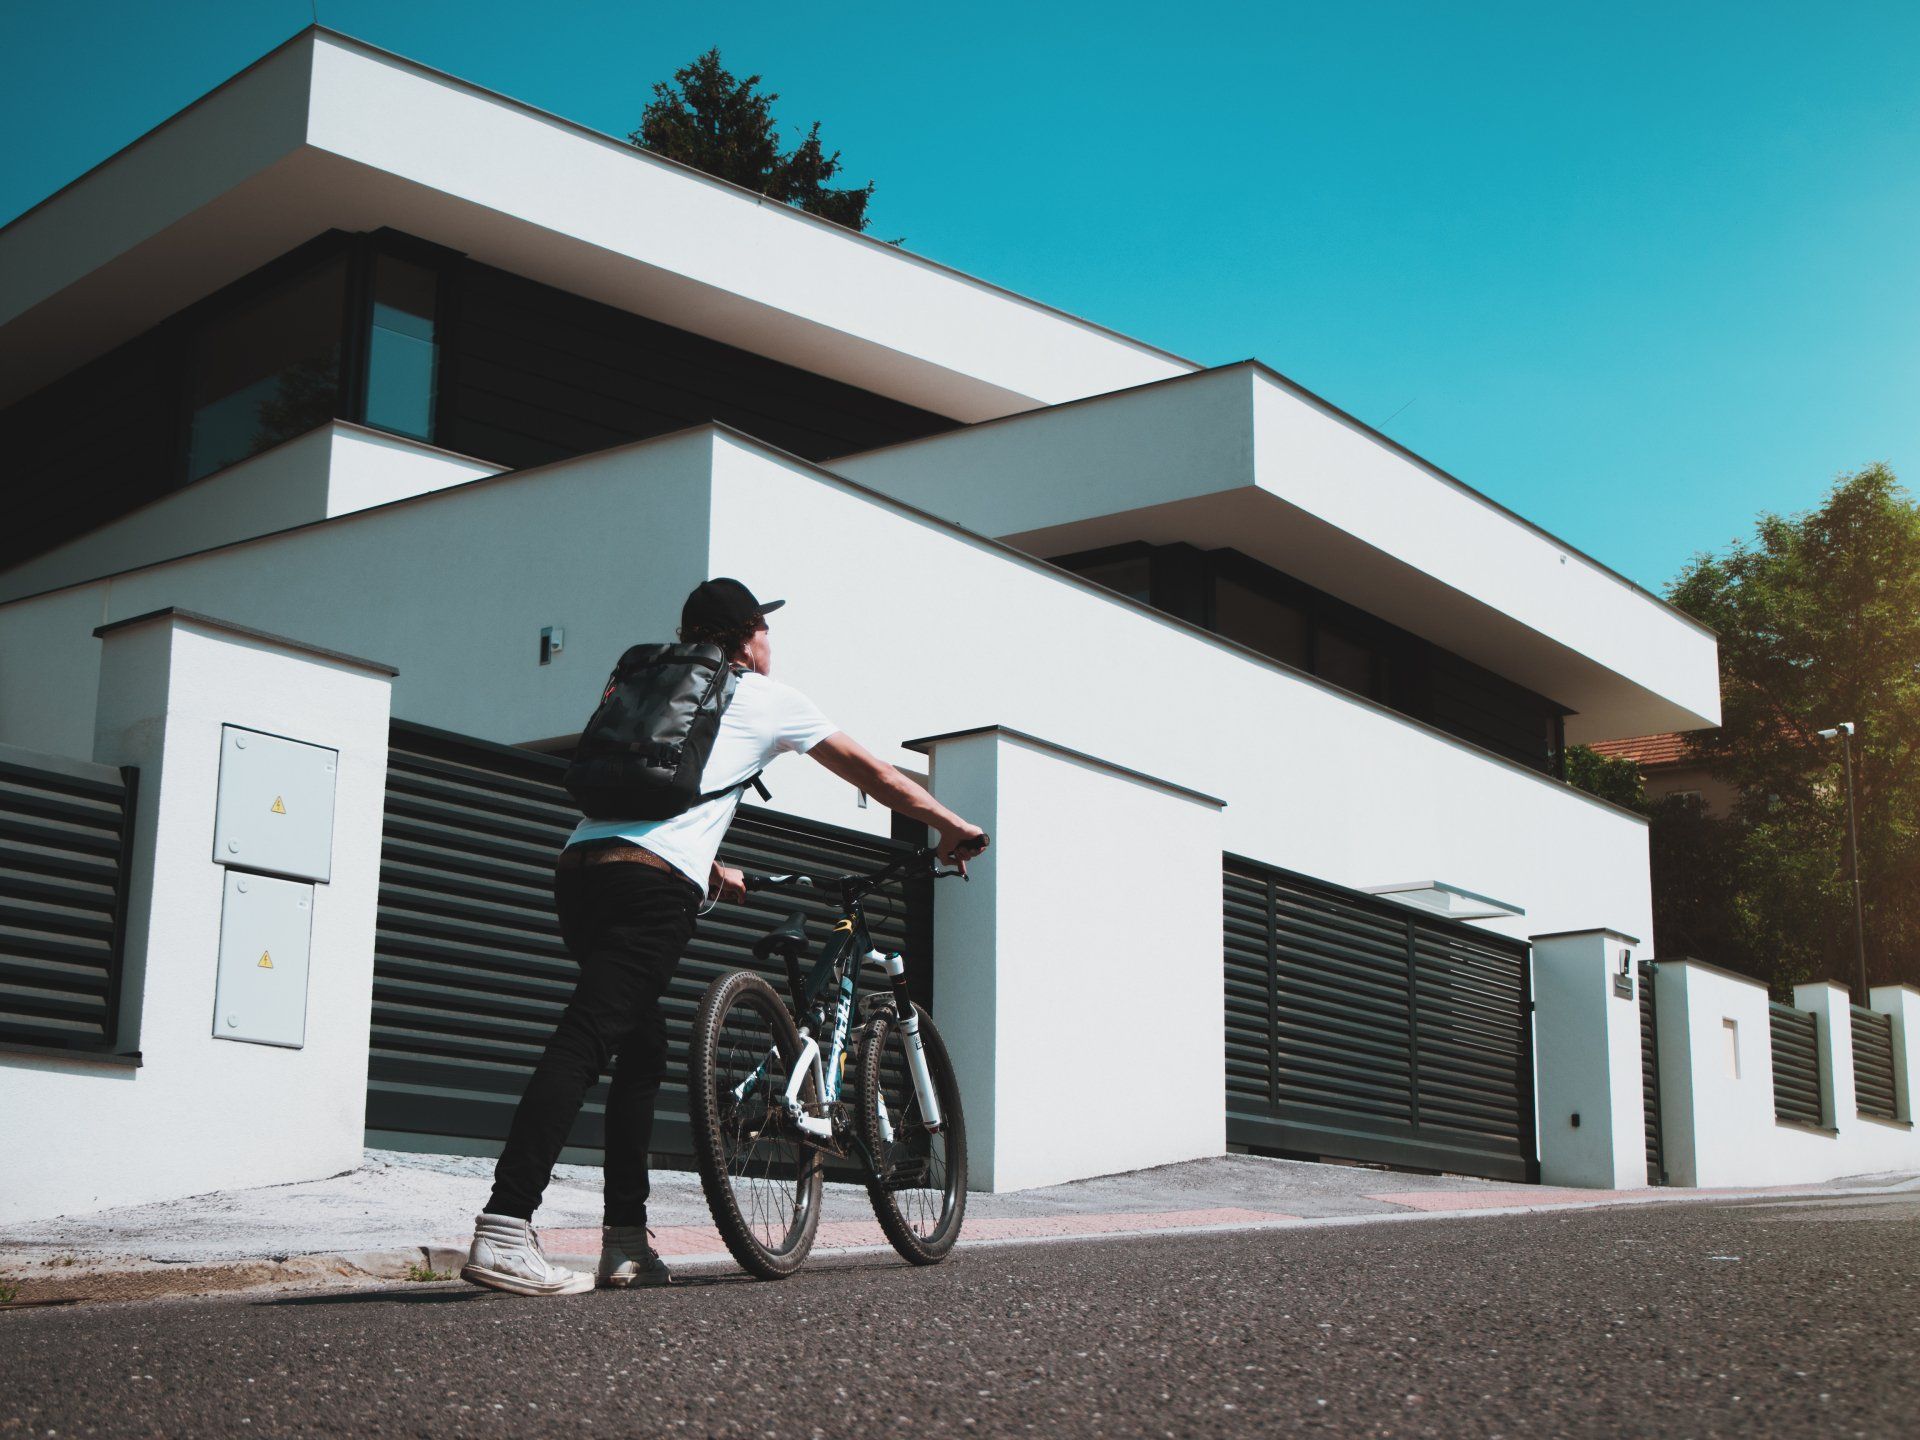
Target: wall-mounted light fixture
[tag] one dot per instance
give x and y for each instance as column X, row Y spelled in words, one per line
column 1623, row 976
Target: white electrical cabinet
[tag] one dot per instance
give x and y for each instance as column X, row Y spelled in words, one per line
column 275, row 809
column 266, row 934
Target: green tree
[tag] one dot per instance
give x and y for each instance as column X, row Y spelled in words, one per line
column 708, row 118
column 1616, row 780
column 1819, row 622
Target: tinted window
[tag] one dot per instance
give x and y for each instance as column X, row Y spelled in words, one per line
column 401, row 351
column 1132, row 577
column 1347, row 663
column 267, row 370
column 1270, row 626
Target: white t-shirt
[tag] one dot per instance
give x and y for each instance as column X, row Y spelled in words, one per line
column 764, row 719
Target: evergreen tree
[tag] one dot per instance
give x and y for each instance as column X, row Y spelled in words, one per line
column 708, row 118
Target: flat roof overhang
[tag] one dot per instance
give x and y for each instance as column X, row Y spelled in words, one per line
column 1241, row 458
column 329, row 133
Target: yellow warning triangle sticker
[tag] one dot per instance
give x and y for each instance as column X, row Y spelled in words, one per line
column 266, row 960
column 279, row 806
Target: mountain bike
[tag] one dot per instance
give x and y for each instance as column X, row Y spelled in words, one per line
column 772, row 1102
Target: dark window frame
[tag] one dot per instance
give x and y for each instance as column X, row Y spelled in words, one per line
column 183, row 330
column 357, row 374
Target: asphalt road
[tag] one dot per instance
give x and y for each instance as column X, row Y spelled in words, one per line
column 1782, row 1318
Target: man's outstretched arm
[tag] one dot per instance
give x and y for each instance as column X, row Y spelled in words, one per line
column 846, row 757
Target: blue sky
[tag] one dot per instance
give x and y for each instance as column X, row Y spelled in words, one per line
column 1638, row 271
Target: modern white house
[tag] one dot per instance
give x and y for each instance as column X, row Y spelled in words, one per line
column 356, row 418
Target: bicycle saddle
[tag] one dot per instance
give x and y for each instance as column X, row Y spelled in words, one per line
column 788, row 939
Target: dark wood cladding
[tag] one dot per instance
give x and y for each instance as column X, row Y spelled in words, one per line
column 89, row 448
column 534, row 374
column 1487, row 710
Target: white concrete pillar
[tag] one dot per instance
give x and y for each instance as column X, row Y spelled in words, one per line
column 204, row 1113
column 1587, row 1059
column 1902, row 1004
column 1079, row 981
column 1828, row 1003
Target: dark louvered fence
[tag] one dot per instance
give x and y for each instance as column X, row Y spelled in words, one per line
column 1873, row 1064
column 469, row 971
column 1650, row 1078
column 1357, row 1028
column 66, row 829
column 1796, row 1064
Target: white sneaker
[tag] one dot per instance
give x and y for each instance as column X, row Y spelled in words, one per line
column 506, row 1255
column 627, row 1261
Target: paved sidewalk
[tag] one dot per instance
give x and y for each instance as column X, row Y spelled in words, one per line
column 399, row 1209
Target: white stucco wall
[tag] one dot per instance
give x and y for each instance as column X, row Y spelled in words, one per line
column 333, row 470
column 1717, row 1114
column 1098, row 984
column 606, row 547
column 952, row 633
column 897, row 626
column 1240, row 457
column 200, row 1113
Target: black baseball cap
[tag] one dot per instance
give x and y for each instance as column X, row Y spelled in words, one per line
column 720, row 602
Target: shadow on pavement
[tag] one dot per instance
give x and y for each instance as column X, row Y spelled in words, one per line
column 379, row 1297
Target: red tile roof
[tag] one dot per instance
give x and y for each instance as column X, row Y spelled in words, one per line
column 1651, row 751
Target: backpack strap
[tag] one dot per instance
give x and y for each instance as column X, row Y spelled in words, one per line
column 729, row 676
column 754, row 780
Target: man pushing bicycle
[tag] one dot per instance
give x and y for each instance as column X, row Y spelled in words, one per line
column 680, row 734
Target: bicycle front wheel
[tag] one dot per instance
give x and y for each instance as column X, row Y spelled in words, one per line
column 762, row 1184
column 919, row 1183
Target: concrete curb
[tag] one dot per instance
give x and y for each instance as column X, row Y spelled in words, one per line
column 112, row 1279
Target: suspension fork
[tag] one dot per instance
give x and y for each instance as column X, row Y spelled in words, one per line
column 909, row 1021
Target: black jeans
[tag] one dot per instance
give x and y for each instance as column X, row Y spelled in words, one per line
column 626, row 924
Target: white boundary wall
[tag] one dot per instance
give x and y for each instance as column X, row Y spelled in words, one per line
column 202, row 1114
column 899, row 626
column 1716, row 1083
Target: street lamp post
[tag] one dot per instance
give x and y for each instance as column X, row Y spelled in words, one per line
column 1844, row 732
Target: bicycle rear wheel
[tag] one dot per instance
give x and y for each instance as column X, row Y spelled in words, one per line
column 919, row 1184
column 762, row 1184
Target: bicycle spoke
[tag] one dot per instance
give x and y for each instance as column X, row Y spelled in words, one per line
column 765, row 1171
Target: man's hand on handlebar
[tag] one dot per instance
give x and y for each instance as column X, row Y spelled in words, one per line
column 726, row 883
column 959, row 844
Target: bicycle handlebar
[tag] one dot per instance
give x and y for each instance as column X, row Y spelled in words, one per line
column 922, row 860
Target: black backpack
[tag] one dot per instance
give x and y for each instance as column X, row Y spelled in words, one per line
column 643, row 752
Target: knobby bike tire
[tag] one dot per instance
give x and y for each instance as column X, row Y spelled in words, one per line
column 710, row 1115
column 917, row 1242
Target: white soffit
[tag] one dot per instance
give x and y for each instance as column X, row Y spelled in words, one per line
column 1240, row 458
column 326, row 132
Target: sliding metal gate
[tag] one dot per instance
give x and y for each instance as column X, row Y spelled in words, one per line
column 469, row 971
column 1359, row 1029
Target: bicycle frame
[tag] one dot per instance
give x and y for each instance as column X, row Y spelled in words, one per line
column 836, row 972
